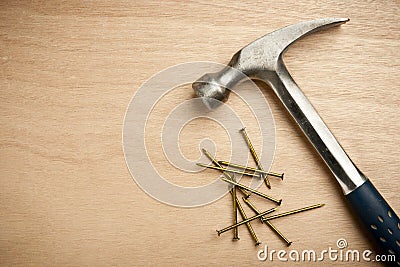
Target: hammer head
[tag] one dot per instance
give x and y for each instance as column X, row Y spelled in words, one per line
column 259, row 59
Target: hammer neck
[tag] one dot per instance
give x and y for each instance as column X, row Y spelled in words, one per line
column 229, row 77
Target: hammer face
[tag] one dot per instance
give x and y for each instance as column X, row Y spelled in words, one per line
column 210, row 90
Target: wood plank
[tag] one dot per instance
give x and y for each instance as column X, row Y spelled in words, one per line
column 68, row 70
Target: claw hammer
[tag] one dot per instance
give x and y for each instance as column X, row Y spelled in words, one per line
column 262, row 60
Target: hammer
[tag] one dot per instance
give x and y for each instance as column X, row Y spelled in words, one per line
column 262, row 60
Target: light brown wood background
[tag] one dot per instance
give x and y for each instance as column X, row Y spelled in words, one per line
column 68, row 70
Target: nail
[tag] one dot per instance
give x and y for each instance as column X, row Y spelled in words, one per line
column 279, row 233
column 249, row 227
column 226, row 174
column 233, row 192
column 246, row 168
column 245, row 193
column 215, row 162
column 278, row 201
column 245, row 221
column 255, row 157
column 231, row 171
column 234, row 198
column 292, row 212
column 288, row 243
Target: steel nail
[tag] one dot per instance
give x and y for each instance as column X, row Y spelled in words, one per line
column 279, row 233
column 255, row 157
column 278, row 201
column 247, row 168
column 234, row 198
column 249, row 227
column 228, row 170
column 292, row 212
column 233, row 192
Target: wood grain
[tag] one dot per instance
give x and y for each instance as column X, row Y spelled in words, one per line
column 68, row 70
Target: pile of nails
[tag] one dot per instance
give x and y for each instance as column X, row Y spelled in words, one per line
column 246, row 191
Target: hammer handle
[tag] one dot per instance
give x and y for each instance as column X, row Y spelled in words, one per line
column 378, row 217
column 371, row 208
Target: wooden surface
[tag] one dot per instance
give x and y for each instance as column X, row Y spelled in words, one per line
column 68, row 70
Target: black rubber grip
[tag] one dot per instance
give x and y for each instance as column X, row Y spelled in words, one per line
column 379, row 218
